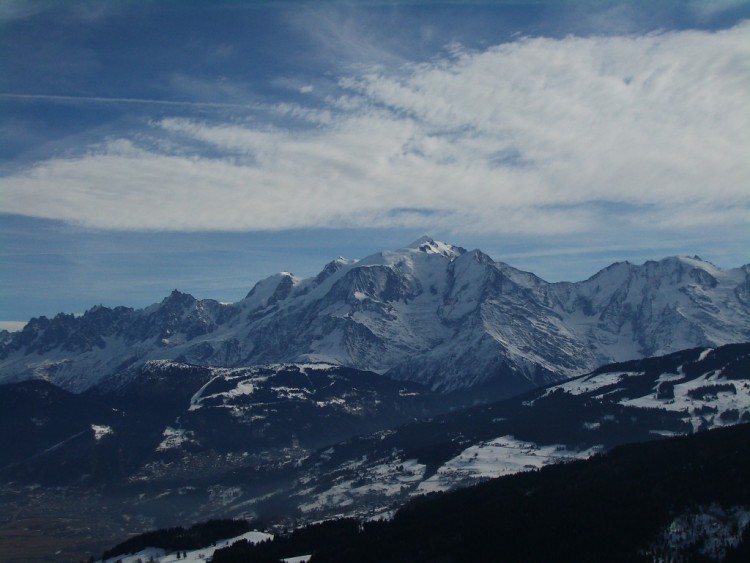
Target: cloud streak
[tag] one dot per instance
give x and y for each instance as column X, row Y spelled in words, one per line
column 538, row 136
column 139, row 101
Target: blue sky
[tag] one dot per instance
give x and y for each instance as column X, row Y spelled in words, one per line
column 202, row 146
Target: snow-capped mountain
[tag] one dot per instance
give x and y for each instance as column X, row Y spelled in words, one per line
column 626, row 311
column 432, row 313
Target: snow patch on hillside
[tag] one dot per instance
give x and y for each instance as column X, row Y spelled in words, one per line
column 590, row 383
column 383, row 480
column 100, row 431
column 174, row 438
column 495, row 458
column 707, row 401
column 195, row 556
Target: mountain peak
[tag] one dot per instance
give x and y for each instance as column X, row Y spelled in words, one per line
column 696, row 262
column 331, row 268
column 429, row 245
column 177, row 298
column 276, row 287
column 420, row 241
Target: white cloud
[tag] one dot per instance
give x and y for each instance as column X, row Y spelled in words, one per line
column 537, row 136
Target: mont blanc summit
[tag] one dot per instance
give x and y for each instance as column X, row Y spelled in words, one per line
column 431, row 312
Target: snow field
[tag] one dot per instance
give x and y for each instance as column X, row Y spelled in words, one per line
column 723, row 400
column 100, row 431
column 383, row 480
column 196, row 556
column 495, row 458
column 173, row 438
column 591, row 383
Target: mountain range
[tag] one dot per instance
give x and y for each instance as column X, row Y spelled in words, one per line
column 351, row 393
column 431, row 313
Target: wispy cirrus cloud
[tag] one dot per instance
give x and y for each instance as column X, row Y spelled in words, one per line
column 555, row 136
column 138, row 101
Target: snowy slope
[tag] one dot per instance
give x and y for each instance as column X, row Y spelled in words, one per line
column 431, row 312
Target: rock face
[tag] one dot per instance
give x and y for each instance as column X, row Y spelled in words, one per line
column 431, row 313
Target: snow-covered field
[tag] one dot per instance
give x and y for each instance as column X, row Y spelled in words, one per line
column 383, row 480
column 158, row 555
column 100, row 431
column 495, row 458
column 377, row 486
column 707, row 401
column 587, row 384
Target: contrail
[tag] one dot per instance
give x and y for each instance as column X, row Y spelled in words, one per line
column 94, row 99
